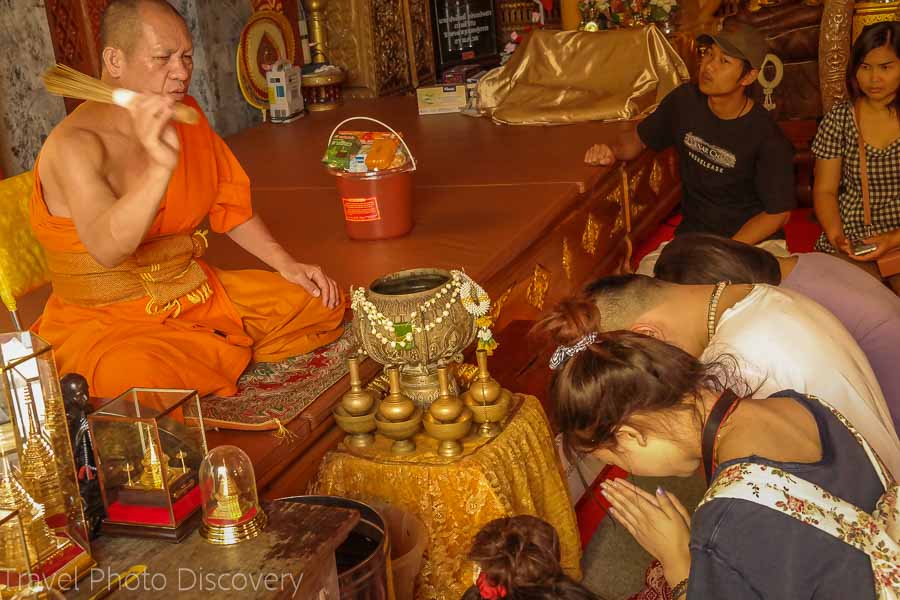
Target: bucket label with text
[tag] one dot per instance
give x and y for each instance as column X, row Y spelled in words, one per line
column 361, row 210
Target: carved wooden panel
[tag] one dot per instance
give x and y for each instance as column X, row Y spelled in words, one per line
column 350, row 44
column 392, row 70
column 422, row 51
column 380, row 44
column 834, row 51
column 75, row 32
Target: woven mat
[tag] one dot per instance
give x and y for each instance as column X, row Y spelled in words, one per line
column 272, row 394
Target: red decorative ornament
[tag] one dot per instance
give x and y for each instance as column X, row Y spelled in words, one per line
column 488, row 590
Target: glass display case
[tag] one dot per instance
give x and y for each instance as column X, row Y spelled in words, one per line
column 37, row 468
column 148, row 452
column 231, row 511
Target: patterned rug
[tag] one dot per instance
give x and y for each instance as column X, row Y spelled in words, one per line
column 272, row 394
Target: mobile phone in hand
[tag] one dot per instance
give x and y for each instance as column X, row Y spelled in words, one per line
column 863, row 249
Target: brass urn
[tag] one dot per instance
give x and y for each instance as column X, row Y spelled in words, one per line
column 448, row 420
column 488, row 401
column 414, row 319
column 397, row 417
column 355, row 414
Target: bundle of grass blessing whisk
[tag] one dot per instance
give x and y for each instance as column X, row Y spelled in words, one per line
column 61, row 80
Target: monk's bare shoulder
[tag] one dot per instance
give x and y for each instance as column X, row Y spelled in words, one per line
column 72, row 158
column 72, row 141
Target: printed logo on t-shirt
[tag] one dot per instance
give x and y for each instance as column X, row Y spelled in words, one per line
column 708, row 155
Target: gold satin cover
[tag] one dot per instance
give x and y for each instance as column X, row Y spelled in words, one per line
column 574, row 76
column 515, row 473
column 22, row 263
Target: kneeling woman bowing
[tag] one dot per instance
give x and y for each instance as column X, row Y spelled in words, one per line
column 653, row 410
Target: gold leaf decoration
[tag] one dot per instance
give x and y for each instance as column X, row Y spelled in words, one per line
column 567, row 259
column 635, row 180
column 538, row 288
column 499, row 303
column 590, row 235
column 656, row 176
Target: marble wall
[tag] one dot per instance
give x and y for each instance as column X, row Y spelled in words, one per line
column 28, row 114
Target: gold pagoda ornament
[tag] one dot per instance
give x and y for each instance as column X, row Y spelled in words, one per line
column 40, row 542
column 152, row 465
column 228, row 499
column 152, row 475
column 231, row 510
column 38, row 463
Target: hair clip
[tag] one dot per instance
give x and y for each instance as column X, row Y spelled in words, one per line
column 488, row 590
column 564, row 353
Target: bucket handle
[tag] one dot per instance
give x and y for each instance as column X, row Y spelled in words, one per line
column 385, row 125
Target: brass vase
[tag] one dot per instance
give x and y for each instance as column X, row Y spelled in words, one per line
column 448, row 420
column 354, row 414
column 488, row 401
column 398, row 418
column 402, row 298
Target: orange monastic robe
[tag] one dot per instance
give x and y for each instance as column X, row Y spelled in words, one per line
column 206, row 346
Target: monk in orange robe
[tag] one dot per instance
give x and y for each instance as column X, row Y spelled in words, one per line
column 119, row 197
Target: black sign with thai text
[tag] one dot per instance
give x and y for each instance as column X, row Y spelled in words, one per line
column 464, row 31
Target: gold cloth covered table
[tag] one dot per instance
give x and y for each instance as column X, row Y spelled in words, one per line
column 515, row 473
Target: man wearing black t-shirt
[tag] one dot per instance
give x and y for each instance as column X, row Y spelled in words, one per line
column 735, row 162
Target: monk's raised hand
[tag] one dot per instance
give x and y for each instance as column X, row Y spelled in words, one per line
column 152, row 117
column 314, row 280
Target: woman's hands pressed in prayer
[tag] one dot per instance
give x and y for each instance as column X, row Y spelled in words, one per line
column 660, row 524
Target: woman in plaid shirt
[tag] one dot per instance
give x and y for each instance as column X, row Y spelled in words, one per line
column 873, row 79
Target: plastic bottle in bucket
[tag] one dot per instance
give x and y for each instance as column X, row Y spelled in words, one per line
column 377, row 204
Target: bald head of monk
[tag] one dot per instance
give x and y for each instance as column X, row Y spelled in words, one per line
column 147, row 47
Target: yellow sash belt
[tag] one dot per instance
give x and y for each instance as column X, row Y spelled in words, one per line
column 162, row 269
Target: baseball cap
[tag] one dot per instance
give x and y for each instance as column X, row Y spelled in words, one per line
column 740, row 41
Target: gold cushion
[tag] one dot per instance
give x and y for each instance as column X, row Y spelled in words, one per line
column 23, row 266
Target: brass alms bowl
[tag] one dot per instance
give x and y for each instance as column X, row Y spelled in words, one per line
column 401, row 432
column 449, row 434
column 358, row 427
column 418, row 353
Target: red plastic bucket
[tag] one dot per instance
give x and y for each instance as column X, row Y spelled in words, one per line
column 377, row 205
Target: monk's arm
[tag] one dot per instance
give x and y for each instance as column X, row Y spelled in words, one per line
column 110, row 227
column 254, row 236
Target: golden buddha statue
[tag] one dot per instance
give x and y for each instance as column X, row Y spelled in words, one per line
column 38, row 463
